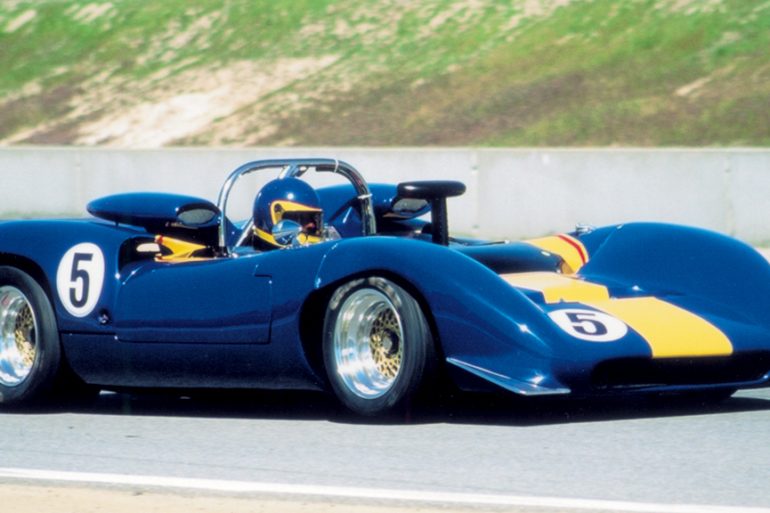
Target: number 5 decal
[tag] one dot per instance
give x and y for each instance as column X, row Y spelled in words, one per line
column 80, row 277
column 589, row 324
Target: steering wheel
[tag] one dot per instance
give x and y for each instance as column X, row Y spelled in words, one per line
column 293, row 168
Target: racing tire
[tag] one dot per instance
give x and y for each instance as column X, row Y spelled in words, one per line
column 378, row 349
column 30, row 351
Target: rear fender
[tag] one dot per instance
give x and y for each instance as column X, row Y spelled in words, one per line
column 38, row 247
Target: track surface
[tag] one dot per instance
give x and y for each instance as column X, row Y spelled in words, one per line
column 651, row 452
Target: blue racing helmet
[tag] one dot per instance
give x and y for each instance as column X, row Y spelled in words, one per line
column 288, row 198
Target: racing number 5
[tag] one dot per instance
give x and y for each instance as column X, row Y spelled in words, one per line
column 81, row 275
column 586, row 323
column 589, row 325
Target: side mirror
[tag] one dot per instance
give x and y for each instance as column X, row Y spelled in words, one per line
column 286, row 232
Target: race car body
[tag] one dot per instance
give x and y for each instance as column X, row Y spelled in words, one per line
column 165, row 291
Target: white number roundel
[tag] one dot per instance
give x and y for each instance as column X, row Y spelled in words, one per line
column 589, row 325
column 80, row 277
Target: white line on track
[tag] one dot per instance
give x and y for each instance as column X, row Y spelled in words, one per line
column 248, row 487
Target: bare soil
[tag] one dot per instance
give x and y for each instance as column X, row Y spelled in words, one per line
column 65, row 499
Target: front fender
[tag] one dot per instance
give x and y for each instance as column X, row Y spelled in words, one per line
column 485, row 326
column 680, row 261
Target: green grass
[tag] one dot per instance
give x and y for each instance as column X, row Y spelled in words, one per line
column 601, row 72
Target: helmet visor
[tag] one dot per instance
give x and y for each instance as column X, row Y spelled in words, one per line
column 311, row 221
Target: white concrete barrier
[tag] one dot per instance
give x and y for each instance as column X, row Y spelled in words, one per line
column 511, row 192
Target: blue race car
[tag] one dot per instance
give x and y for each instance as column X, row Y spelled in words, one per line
column 349, row 289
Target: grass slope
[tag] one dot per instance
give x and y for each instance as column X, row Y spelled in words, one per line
column 393, row 72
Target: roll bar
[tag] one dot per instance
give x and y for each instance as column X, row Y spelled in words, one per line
column 296, row 168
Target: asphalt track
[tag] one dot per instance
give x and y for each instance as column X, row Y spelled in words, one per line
column 473, row 452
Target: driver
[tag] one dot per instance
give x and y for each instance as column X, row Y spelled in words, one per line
column 287, row 198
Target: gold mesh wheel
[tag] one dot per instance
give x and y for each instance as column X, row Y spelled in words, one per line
column 378, row 349
column 18, row 336
column 385, row 343
column 25, row 336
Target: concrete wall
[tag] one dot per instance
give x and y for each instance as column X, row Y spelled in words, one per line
column 511, row 192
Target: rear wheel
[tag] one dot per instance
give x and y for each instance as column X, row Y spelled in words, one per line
column 30, row 352
column 378, row 349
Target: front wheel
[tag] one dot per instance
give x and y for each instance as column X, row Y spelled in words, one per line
column 30, row 353
column 377, row 346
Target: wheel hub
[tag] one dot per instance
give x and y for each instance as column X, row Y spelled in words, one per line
column 385, row 344
column 25, row 336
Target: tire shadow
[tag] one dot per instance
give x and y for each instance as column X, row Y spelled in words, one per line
column 515, row 411
column 479, row 409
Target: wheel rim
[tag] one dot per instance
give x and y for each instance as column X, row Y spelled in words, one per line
column 368, row 343
column 18, row 336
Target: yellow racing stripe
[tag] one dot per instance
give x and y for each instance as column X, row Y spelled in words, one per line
column 557, row 287
column 671, row 332
column 571, row 250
